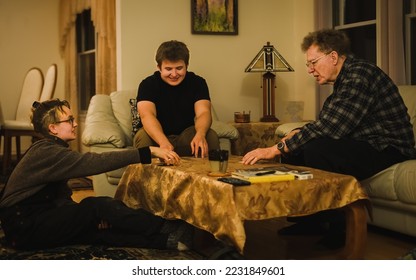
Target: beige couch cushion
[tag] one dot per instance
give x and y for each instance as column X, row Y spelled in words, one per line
column 405, row 181
column 121, row 109
column 408, row 95
column 381, row 185
column 101, row 127
column 224, row 130
column 394, row 183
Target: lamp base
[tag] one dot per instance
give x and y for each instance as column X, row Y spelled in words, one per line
column 269, row 118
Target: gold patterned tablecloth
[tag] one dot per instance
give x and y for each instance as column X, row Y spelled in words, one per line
column 187, row 192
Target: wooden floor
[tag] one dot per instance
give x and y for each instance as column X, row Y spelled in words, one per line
column 381, row 244
column 263, row 242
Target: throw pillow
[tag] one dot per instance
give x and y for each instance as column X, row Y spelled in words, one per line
column 136, row 123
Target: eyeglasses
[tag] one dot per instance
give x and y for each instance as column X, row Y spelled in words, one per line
column 70, row 120
column 312, row 62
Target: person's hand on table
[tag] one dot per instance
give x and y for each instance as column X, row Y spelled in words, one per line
column 199, row 144
column 166, row 145
column 260, row 153
column 166, row 155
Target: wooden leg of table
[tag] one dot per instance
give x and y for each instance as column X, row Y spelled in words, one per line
column 356, row 230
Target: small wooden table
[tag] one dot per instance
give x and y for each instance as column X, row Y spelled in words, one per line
column 187, row 192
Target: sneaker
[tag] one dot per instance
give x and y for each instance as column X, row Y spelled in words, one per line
column 411, row 255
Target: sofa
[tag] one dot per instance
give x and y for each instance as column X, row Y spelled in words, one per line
column 392, row 191
column 109, row 127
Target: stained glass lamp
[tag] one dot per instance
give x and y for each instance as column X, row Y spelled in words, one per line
column 269, row 60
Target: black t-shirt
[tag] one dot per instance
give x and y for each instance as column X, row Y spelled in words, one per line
column 174, row 104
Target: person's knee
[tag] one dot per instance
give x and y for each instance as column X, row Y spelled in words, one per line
column 142, row 139
column 212, row 140
column 315, row 148
column 319, row 153
column 183, row 140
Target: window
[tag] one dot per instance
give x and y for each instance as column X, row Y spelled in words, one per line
column 86, row 59
column 361, row 20
column 358, row 19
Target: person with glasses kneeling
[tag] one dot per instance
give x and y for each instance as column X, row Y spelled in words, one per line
column 36, row 208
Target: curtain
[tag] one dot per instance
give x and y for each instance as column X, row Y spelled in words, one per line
column 391, row 33
column 323, row 19
column 103, row 17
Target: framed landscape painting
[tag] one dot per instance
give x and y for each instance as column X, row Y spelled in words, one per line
column 214, row 17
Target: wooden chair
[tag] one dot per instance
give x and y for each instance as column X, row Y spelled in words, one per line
column 21, row 125
column 49, row 85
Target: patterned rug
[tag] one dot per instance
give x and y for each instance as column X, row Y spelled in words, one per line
column 89, row 252
column 411, row 255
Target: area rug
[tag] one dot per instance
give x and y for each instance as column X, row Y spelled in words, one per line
column 411, row 255
column 89, row 252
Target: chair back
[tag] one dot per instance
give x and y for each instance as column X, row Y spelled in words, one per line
column 50, row 83
column 32, row 86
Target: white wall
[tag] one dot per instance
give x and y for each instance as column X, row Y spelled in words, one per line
column 28, row 38
column 220, row 59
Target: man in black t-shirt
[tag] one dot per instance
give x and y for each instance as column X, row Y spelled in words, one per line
column 174, row 106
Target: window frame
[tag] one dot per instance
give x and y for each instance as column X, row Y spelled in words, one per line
column 82, row 108
column 381, row 34
column 408, row 42
column 357, row 24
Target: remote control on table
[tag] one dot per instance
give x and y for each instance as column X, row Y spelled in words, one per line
column 234, row 181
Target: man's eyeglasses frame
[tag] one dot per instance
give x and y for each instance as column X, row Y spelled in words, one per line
column 311, row 63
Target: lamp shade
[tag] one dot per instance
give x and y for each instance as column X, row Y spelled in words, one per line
column 269, row 60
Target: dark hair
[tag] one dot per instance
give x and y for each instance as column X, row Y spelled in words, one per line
column 172, row 51
column 46, row 113
column 327, row 40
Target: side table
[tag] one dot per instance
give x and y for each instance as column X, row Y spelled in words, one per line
column 254, row 135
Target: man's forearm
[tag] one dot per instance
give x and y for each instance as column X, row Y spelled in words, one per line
column 203, row 123
column 154, row 130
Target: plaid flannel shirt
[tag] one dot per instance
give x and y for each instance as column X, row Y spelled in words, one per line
column 365, row 106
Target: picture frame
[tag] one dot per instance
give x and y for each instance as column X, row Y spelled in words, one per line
column 214, row 17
